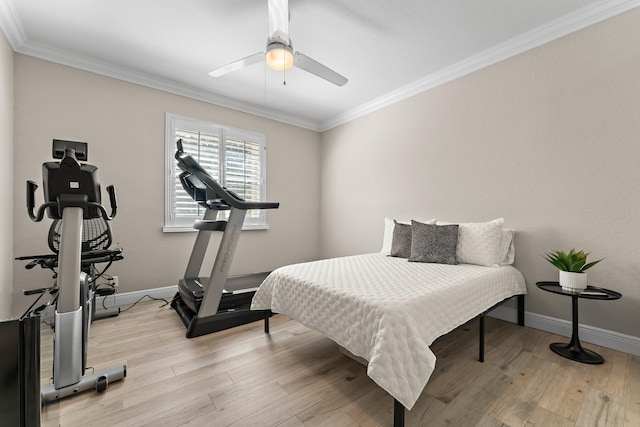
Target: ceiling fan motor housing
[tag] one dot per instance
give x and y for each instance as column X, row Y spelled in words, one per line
column 279, row 37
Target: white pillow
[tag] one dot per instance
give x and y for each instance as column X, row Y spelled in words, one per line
column 507, row 252
column 387, row 237
column 479, row 242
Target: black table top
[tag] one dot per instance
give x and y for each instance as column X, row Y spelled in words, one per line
column 14, row 306
column 592, row 292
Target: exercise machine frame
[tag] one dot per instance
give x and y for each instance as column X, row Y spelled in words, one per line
column 72, row 193
column 217, row 302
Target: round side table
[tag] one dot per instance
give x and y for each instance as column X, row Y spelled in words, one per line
column 574, row 349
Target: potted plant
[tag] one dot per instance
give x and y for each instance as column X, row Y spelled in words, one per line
column 572, row 268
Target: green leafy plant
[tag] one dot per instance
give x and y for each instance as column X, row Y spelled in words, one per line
column 574, row 261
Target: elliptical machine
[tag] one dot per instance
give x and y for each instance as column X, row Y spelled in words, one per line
column 72, row 195
column 210, row 304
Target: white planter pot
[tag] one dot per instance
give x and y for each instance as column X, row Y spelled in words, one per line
column 571, row 281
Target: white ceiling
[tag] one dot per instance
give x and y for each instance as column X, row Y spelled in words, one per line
column 387, row 49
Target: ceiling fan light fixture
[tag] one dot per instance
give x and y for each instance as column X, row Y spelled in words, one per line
column 279, row 56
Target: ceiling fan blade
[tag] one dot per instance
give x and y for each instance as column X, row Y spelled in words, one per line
column 237, row 65
column 314, row 67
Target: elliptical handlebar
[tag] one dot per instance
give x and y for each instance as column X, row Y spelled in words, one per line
column 111, row 190
column 37, row 217
column 31, row 203
column 191, row 167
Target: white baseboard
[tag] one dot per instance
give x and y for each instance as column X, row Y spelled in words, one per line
column 591, row 334
column 128, row 298
column 119, row 300
column 610, row 339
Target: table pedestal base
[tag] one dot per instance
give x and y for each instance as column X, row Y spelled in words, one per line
column 574, row 350
column 577, row 353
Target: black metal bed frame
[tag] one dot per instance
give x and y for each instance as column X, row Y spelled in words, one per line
column 399, row 409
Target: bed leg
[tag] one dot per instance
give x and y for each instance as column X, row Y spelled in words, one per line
column 521, row 310
column 266, row 322
column 481, row 340
column 398, row 414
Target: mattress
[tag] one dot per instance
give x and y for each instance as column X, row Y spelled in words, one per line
column 387, row 310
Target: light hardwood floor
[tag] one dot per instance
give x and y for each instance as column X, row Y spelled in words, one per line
column 295, row 377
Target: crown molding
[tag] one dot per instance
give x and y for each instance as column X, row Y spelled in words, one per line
column 582, row 18
column 96, row 66
column 591, row 14
column 11, row 25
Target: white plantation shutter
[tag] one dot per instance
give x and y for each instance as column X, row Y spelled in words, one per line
column 243, row 169
column 205, row 149
column 235, row 158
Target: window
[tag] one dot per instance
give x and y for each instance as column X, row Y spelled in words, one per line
column 233, row 157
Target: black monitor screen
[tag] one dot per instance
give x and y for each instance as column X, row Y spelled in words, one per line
column 60, row 145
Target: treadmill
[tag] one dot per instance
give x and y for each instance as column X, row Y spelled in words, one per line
column 211, row 304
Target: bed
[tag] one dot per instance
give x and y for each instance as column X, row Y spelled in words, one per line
column 387, row 310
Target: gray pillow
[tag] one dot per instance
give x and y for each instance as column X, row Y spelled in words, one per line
column 401, row 242
column 433, row 243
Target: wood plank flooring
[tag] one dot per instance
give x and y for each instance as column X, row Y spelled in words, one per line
column 294, row 377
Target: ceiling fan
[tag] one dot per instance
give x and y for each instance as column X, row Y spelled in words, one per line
column 280, row 55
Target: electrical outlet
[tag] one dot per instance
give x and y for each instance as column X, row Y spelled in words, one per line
column 114, row 281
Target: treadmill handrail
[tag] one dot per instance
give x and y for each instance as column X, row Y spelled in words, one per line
column 190, row 165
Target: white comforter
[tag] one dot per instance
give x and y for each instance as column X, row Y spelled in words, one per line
column 387, row 310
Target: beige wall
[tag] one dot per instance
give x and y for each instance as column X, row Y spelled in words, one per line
column 6, row 170
column 549, row 140
column 124, row 124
